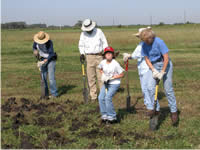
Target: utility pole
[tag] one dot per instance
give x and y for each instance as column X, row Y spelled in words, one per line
column 113, row 21
column 184, row 13
column 151, row 18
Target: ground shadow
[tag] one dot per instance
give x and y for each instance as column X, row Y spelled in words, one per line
column 121, row 90
column 161, row 95
column 122, row 112
column 164, row 113
column 64, row 88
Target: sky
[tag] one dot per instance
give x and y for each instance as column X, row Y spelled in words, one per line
column 104, row 12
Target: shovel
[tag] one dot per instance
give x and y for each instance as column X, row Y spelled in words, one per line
column 128, row 98
column 85, row 90
column 153, row 123
column 43, row 95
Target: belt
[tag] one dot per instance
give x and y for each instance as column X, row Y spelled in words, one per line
column 100, row 54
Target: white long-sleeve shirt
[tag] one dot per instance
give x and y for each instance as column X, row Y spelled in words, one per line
column 137, row 54
column 92, row 43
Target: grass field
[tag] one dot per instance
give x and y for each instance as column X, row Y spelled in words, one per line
column 27, row 122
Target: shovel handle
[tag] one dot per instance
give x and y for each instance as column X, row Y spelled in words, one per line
column 83, row 69
column 156, row 90
column 126, row 64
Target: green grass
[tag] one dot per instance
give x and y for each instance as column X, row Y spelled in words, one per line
column 78, row 125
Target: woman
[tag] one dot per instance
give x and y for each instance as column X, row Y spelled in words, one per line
column 142, row 66
column 157, row 58
column 43, row 49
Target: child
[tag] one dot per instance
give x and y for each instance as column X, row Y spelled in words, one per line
column 111, row 73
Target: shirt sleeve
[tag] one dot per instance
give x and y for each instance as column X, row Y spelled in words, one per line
column 50, row 51
column 163, row 47
column 34, row 46
column 100, row 66
column 103, row 39
column 119, row 69
column 137, row 52
column 81, row 45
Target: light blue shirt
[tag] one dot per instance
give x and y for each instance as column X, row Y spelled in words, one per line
column 137, row 54
column 155, row 51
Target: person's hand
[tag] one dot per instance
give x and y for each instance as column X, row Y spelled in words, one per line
column 41, row 63
column 36, row 53
column 82, row 58
column 105, row 78
column 155, row 73
column 126, row 56
column 161, row 74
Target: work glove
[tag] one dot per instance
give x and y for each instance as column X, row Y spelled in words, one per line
column 126, row 56
column 161, row 74
column 155, row 73
column 105, row 79
column 40, row 64
column 82, row 58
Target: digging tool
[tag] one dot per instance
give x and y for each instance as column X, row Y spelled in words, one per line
column 154, row 120
column 43, row 95
column 128, row 98
column 85, row 90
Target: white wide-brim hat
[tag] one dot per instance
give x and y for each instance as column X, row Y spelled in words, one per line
column 88, row 25
column 41, row 37
column 140, row 31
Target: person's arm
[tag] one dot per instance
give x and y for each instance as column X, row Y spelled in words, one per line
column 149, row 63
column 121, row 75
column 81, row 44
column 35, row 51
column 50, row 51
column 103, row 39
column 166, row 60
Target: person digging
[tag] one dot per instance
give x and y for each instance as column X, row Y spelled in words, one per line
column 44, row 52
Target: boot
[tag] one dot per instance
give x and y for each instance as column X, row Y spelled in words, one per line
column 174, row 118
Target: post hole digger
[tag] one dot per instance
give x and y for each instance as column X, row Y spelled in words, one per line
column 128, row 98
column 85, row 90
column 153, row 123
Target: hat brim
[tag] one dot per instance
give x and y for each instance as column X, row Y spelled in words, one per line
column 46, row 39
column 90, row 28
column 137, row 34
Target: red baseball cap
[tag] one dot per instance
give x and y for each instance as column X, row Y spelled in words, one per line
column 109, row 49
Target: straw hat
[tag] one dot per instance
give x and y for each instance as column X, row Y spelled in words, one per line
column 140, row 31
column 41, row 37
column 88, row 25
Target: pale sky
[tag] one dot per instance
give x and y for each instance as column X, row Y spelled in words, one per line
column 104, row 12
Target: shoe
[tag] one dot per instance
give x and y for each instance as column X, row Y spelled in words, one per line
column 112, row 121
column 174, row 118
column 104, row 121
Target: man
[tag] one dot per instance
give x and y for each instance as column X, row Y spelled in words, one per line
column 91, row 44
column 43, row 49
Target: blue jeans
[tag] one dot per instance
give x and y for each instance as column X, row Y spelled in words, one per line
column 167, row 83
column 144, row 83
column 50, row 69
column 105, row 101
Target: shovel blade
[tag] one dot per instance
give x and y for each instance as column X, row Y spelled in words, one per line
column 153, row 123
column 128, row 103
column 85, row 95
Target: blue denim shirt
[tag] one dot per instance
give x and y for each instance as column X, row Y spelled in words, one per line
column 155, row 51
column 45, row 50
